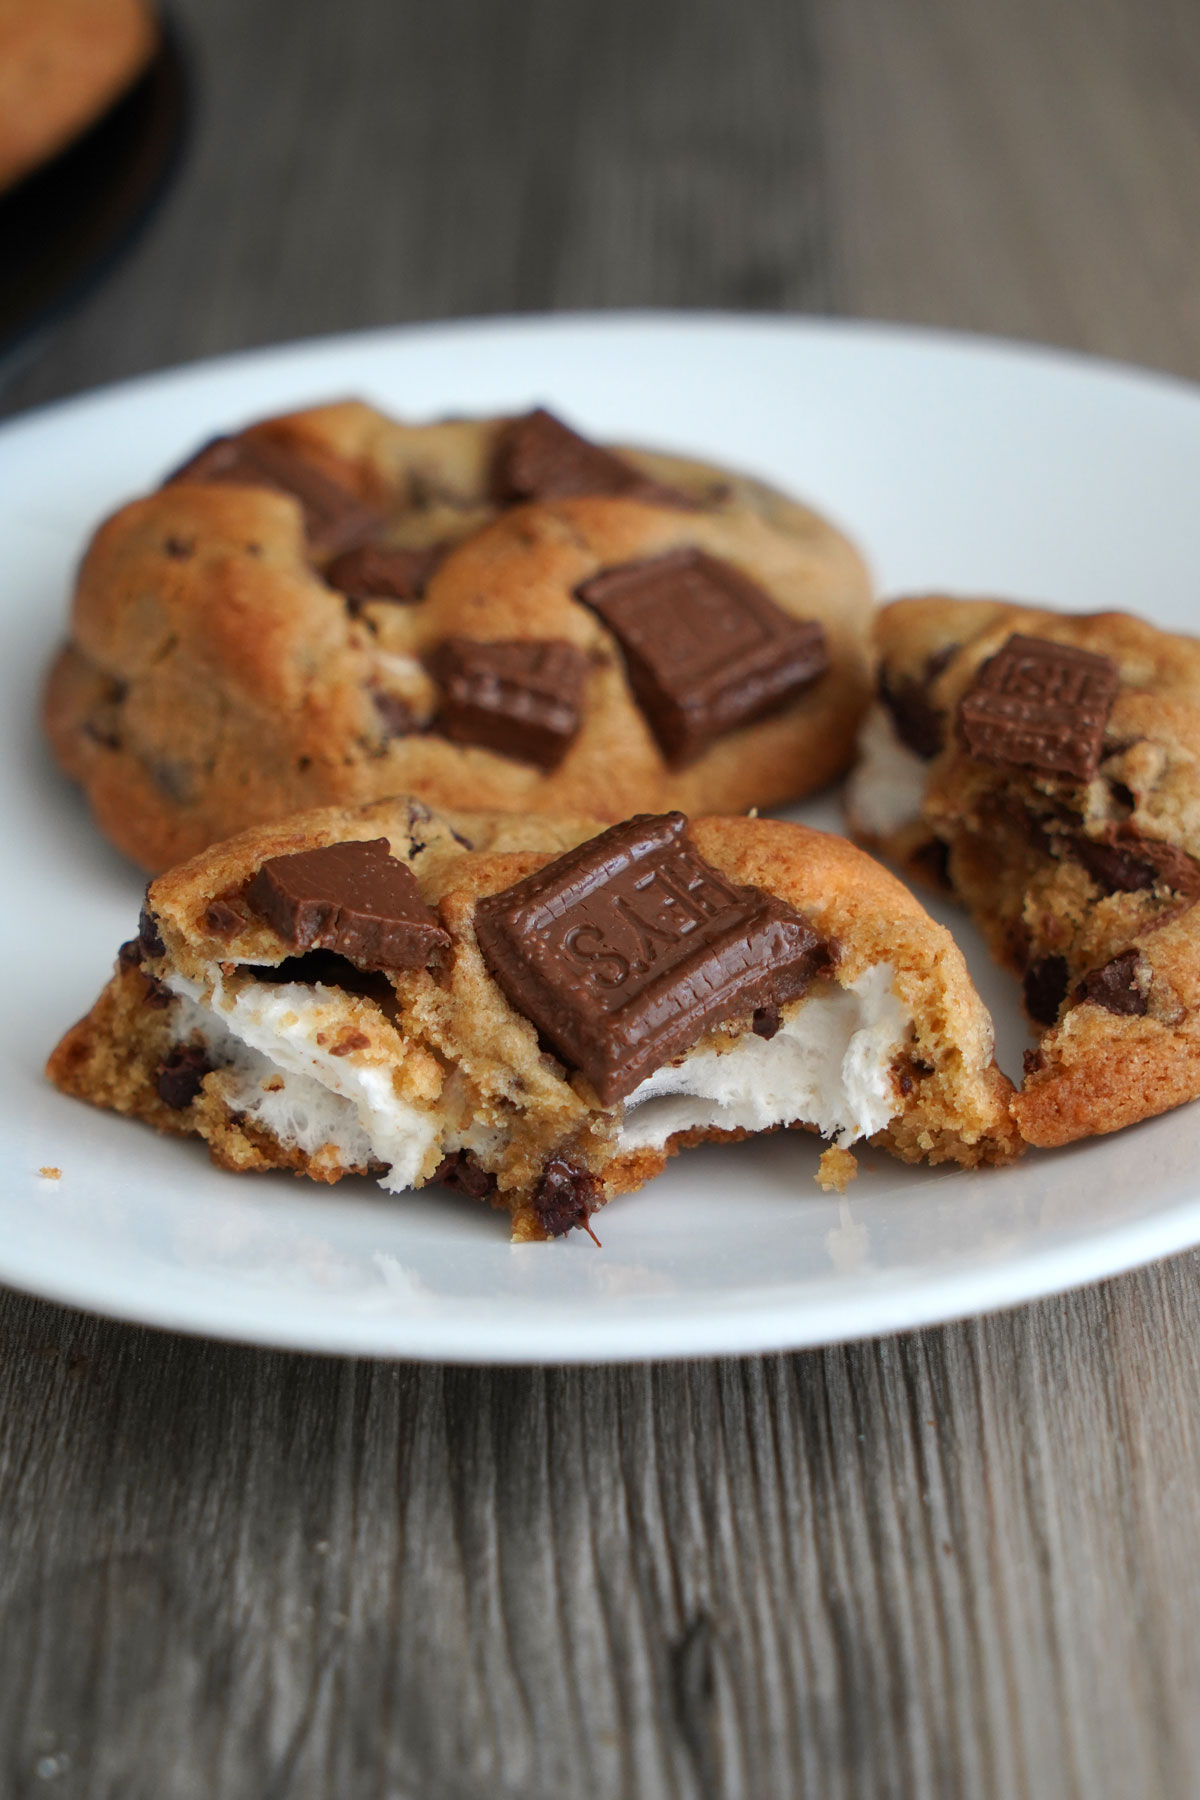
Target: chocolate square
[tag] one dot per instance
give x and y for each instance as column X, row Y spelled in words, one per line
column 706, row 649
column 334, row 516
column 518, row 697
column 1040, row 706
column 354, row 898
column 626, row 950
column 384, row 572
column 537, row 457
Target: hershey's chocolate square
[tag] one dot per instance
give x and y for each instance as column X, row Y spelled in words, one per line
column 706, row 649
column 334, row 516
column 384, row 572
column 1040, row 705
column 355, row 898
column 627, row 949
column 518, row 697
column 537, row 457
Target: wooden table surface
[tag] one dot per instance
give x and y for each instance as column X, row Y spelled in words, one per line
column 964, row 1562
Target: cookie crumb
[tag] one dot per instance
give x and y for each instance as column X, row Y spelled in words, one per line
column 50, row 1173
column 836, row 1170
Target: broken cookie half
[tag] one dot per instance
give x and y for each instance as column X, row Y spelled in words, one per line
column 537, row 1012
column 1046, row 769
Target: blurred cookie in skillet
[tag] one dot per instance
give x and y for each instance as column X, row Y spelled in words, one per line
column 62, row 64
column 538, row 1012
column 1046, row 768
column 332, row 606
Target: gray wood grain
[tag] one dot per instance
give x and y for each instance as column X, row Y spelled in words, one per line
column 962, row 1563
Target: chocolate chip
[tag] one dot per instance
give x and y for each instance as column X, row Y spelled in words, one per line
column 178, row 549
column 1046, row 988
column 464, row 1176
column 565, row 1197
column 766, row 1021
column 1127, row 861
column 705, row 648
column 1040, row 705
column 379, row 572
column 906, row 1085
column 627, row 949
column 181, row 1075
column 335, row 518
column 395, row 714
column 355, row 898
column 222, row 919
column 148, row 933
column 1115, row 987
column 537, row 457
column 349, row 1043
column 129, row 955
column 1032, row 1061
column 918, row 723
column 518, row 697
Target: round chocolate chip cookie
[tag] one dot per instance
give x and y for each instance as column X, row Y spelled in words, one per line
column 1046, row 768
column 332, row 607
column 538, row 1012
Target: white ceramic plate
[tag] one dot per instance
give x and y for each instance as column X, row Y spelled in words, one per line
column 977, row 466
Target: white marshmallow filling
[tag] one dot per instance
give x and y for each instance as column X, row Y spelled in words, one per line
column 829, row 1065
column 885, row 790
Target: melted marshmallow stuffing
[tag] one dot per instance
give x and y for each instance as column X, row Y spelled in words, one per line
column 886, row 789
column 828, row 1065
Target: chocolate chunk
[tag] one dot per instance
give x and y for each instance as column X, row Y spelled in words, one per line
column 518, row 697
column 148, row 933
column 1040, row 705
column 918, row 723
column 627, row 949
column 565, row 1197
column 766, row 1021
column 180, row 1076
column 1115, row 987
column 705, row 648
column 222, row 919
column 537, row 457
column 1046, row 988
column 354, row 898
column 464, row 1176
column 1127, row 861
column 377, row 572
column 335, row 518
column 395, row 714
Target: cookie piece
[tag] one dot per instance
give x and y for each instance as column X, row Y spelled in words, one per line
column 536, row 1012
column 1047, row 767
column 333, row 607
column 62, row 64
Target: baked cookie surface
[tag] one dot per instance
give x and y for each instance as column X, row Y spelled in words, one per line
column 537, row 1012
column 1046, row 767
column 333, row 607
column 62, row 62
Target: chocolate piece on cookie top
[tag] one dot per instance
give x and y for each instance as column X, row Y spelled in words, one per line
column 1117, row 987
column 537, row 457
column 706, row 649
column 1040, row 705
column 626, row 950
column 384, row 572
column 335, row 519
column 519, row 697
column 354, row 898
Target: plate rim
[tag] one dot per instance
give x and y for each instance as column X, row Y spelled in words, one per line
column 781, row 1322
